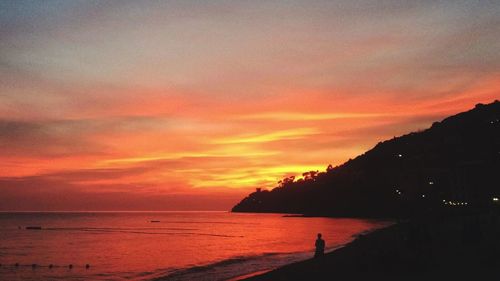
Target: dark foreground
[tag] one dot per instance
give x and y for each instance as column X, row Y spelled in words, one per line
column 456, row 248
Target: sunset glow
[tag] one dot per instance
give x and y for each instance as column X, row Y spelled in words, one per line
column 138, row 105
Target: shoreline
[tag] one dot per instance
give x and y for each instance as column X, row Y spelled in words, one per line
column 460, row 248
column 244, row 267
column 249, row 275
column 355, row 237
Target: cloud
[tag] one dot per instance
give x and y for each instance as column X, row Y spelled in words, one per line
column 297, row 133
column 45, row 139
column 42, row 194
column 299, row 116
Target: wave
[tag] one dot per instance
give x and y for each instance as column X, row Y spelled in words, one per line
column 118, row 228
column 233, row 267
column 179, row 231
column 237, row 267
column 210, row 222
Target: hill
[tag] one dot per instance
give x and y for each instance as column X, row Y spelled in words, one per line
column 454, row 166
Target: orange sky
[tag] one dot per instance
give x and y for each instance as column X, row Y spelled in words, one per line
column 186, row 105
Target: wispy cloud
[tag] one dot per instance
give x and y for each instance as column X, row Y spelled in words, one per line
column 290, row 134
column 299, row 116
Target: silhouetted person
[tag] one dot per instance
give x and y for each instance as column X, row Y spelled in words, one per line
column 320, row 247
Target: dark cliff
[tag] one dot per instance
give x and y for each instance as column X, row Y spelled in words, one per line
column 454, row 165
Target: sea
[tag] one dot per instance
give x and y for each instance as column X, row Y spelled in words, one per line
column 162, row 245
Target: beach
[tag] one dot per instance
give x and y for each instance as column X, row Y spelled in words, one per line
column 454, row 248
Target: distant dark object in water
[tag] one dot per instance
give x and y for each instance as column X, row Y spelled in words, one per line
column 34, row 227
column 87, row 266
column 155, row 221
column 70, row 266
column 16, row 264
column 51, row 265
column 33, row 265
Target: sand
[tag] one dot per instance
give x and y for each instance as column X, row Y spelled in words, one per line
column 452, row 248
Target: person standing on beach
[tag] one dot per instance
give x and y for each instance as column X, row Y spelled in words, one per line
column 320, row 247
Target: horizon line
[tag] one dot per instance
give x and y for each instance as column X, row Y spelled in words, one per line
column 120, row 211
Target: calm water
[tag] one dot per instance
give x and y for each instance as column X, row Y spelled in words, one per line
column 177, row 246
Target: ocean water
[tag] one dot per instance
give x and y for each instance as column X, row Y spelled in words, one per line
column 161, row 245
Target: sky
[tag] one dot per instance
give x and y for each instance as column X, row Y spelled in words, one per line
column 191, row 105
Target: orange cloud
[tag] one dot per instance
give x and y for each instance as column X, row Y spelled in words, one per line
column 297, row 133
column 299, row 116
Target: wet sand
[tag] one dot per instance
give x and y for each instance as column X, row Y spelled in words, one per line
column 456, row 248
